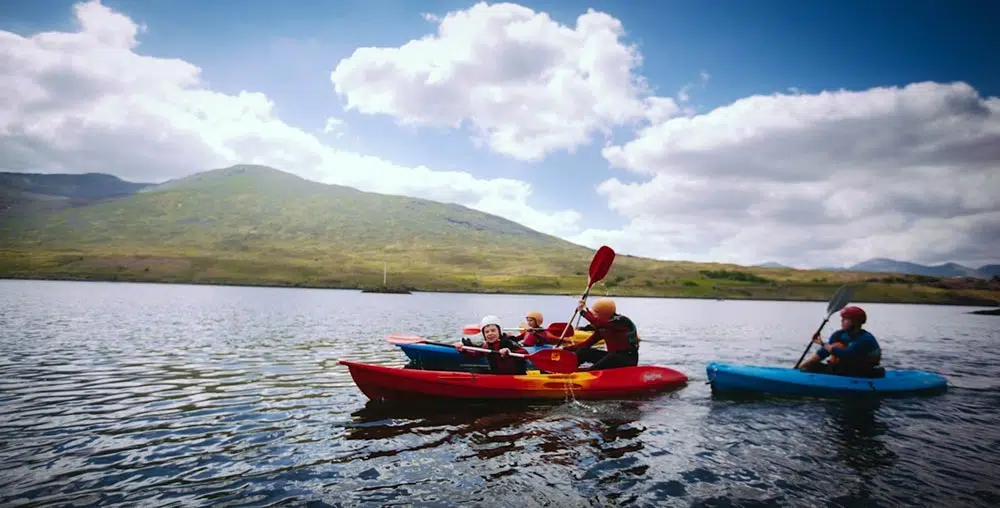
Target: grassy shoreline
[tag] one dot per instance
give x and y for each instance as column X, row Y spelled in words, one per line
column 257, row 226
column 821, row 292
column 486, row 273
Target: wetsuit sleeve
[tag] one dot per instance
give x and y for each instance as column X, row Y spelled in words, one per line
column 593, row 339
column 859, row 347
column 510, row 343
column 823, row 353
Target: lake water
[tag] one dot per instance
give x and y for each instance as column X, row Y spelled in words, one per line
column 177, row 395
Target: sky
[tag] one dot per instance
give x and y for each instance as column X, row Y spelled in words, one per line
column 811, row 134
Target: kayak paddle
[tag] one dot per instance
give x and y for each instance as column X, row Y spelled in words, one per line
column 599, row 267
column 840, row 300
column 553, row 328
column 413, row 339
column 552, row 360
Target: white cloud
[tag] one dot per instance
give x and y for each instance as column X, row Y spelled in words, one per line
column 684, row 94
column 817, row 179
column 334, row 126
column 525, row 84
column 87, row 101
column 804, row 179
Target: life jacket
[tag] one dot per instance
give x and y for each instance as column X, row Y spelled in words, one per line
column 500, row 364
column 868, row 361
column 619, row 333
column 530, row 338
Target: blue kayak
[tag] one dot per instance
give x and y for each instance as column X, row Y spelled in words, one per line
column 437, row 357
column 734, row 378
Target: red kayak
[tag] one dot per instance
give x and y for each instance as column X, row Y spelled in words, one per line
column 379, row 382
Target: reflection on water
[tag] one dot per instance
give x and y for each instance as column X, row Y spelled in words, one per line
column 132, row 394
column 859, row 445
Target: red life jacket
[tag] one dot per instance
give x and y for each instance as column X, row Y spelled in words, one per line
column 619, row 334
column 529, row 338
column 500, row 364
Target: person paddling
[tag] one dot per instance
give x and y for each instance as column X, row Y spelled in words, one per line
column 850, row 351
column 533, row 334
column 618, row 332
column 495, row 340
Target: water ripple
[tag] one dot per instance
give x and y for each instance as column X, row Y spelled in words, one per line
column 132, row 394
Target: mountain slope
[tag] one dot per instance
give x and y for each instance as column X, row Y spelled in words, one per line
column 772, row 264
column 884, row 265
column 257, row 225
column 25, row 193
column 249, row 207
column 89, row 185
column 252, row 211
column 990, row 270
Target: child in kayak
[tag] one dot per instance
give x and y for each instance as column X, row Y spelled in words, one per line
column 533, row 334
column 500, row 362
column 850, row 351
column 618, row 332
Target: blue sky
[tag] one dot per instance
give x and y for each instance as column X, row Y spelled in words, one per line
column 287, row 51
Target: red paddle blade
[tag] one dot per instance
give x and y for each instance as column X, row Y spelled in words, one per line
column 554, row 360
column 601, row 263
column 557, row 329
column 471, row 330
column 398, row 338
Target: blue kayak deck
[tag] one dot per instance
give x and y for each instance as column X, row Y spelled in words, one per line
column 729, row 377
column 437, row 357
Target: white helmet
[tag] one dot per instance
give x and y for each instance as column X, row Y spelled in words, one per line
column 489, row 320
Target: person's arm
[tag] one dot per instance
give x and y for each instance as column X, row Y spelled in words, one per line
column 824, row 351
column 518, row 348
column 592, row 319
column 812, row 360
column 820, row 355
column 507, row 345
column 469, row 354
column 593, row 339
column 859, row 347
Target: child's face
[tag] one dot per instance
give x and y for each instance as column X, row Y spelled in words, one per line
column 491, row 333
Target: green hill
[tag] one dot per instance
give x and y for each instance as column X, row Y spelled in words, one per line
column 257, row 225
column 23, row 194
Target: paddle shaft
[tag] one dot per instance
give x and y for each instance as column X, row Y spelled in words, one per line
column 442, row 344
column 562, row 327
column 585, row 294
column 809, row 346
column 484, row 350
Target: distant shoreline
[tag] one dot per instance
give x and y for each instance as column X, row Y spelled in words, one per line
column 989, row 312
column 791, row 298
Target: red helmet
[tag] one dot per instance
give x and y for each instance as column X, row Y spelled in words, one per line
column 855, row 314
